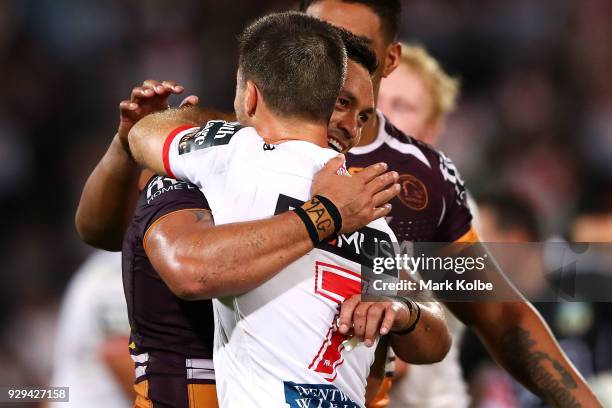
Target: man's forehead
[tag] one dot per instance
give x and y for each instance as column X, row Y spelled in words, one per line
column 354, row 17
column 358, row 85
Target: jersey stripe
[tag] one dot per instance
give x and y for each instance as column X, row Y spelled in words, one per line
column 168, row 143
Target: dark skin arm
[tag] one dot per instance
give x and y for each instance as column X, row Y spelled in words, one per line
column 111, row 191
column 193, row 256
column 428, row 343
column 520, row 341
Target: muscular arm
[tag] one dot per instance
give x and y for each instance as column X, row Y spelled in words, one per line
column 429, row 342
column 198, row 260
column 520, row 341
column 110, row 193
column 108, row 199
column 147, row 137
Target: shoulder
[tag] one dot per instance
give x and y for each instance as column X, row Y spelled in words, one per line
column 163, row 195
column 409, row 145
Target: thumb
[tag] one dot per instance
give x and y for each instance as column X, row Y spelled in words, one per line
column 191, row 100
column 334, row 164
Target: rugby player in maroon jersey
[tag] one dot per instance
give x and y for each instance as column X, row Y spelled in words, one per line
column 527, row 338
column 166, row 204
column 432, row 193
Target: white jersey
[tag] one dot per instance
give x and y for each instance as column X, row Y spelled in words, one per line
column 93, row 310
column 277, row 345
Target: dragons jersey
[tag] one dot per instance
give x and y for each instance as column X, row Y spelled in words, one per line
column 431, row 206
column 277, row 345
column 171, row 339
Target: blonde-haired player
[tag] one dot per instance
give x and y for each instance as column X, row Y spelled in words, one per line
column 417, row 97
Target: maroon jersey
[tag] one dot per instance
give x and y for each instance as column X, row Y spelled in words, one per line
column 431, row 206
column 171, row 339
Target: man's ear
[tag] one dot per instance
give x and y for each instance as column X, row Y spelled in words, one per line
column 251, row 98
column 392, row 59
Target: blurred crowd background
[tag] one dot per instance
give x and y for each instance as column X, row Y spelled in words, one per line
column 534, row 118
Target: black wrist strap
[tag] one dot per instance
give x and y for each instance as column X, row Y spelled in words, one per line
column 321, row 218
column 333, row 211
column 310, row 227
column 413, row 307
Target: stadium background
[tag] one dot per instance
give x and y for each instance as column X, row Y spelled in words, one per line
column 534, row 117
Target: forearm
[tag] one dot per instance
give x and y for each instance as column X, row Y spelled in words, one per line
column 232, row 259
column 108, row 199
column 429, row 342
column 147, row 137
column 521, row 342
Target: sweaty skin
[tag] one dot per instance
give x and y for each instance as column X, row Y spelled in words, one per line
column 529, row 351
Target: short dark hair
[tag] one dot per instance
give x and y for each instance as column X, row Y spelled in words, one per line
column 389, row 12
column 298, row 63
column 358, row 49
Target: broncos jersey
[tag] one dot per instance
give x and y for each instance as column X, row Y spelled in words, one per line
column 277, row 345
column 431, row 206
column 171, row 339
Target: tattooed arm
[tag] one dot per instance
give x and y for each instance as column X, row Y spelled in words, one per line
column 520, row 341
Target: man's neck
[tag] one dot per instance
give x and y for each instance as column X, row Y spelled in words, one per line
column 369, row 132
column 281, row 130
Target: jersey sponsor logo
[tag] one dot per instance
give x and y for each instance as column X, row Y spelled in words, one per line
column 214, row 133
column 316, row 396
column 268, row 147
column 413, row 193
column 160, row 185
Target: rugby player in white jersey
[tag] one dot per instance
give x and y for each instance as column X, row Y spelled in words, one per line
column 279, row 343
column 91, row 357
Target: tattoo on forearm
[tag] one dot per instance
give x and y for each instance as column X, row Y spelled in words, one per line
column 555, row 387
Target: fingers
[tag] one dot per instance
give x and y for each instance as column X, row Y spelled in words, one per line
column 375, row 314
column 390, row 314
column 191, row 100
column 385, row 195
column 371, row 172
column 381, row 182
column 127, row 106
column 381, row 211
column 141, row 92
column 346, row 313
column 334, row 164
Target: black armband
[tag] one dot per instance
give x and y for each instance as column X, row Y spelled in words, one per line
column 321, row 218
column 413, row 308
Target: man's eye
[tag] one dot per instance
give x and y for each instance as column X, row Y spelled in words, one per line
column 363, row 118
column 343, row 102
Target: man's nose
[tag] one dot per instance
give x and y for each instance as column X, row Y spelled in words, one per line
column 349, row 127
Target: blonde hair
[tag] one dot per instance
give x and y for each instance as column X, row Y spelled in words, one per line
column 444, row 89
